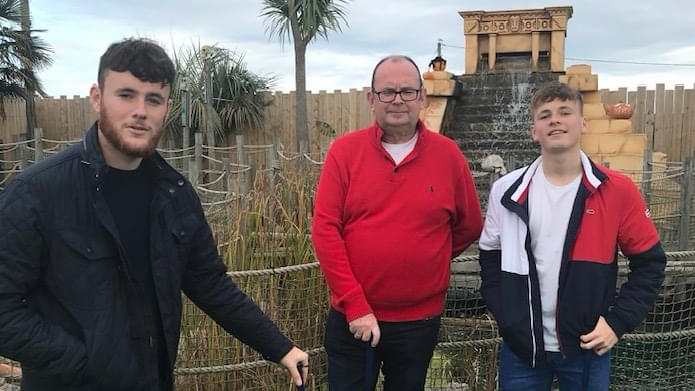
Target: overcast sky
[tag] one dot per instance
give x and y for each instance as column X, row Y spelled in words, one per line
column 625, row 30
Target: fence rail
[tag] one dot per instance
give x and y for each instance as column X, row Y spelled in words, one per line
column 295, row 296
column 667, row 117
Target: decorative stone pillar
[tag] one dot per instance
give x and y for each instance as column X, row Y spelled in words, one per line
column 530, row 31
column 492, row 52
column 535, row 47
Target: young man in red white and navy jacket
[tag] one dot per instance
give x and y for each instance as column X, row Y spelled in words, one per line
column 548, row 256
column 395, row 203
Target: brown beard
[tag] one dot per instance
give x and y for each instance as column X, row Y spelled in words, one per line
column 108, row 129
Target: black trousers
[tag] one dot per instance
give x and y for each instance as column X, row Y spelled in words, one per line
column 403, row 355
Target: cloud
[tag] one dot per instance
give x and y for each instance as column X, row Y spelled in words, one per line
column 80, row 31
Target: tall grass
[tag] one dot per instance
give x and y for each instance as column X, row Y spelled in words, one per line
column 266, row 229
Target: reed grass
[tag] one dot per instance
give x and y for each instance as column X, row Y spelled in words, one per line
column 267, row 228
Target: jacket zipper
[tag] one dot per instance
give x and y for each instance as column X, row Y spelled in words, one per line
column 557, row 326
column 533, row 332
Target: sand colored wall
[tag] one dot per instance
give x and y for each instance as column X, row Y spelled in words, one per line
column 440, row 85
column 607, row 140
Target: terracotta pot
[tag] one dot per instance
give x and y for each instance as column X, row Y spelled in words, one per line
column 438, row 64
column 619, row 110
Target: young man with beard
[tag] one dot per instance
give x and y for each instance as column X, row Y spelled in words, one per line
column 548, row 257
column 98, row 242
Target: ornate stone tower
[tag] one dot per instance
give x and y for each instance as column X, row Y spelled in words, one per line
column 532, row 38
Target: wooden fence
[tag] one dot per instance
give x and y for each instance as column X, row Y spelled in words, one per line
column 66, row 118
column 666, row 116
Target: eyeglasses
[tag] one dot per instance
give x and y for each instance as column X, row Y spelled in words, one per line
column 389, row 95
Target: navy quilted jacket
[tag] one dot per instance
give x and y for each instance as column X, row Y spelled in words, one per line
column 69, row 309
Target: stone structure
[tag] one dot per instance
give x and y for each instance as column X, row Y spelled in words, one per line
column 609, row 141
column 492, row 115
column 487, row 109
column 537, row 35
column 440, row 86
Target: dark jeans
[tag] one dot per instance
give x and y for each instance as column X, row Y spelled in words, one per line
column 588, row 372
column 403, row 355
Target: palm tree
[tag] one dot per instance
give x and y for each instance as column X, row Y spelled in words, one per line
column 301, row 21
column 237, row 101
column 21, row 53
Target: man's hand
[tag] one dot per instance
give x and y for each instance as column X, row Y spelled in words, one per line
column 366, row 328
column 290, row 361
column 601, row 339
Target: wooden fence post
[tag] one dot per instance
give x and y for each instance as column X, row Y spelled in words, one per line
column 242, row 176
column 272, row 163
column 171, row 145
column 647, row 169
column 38, row 144
column 686, row 196
column 3, row 156
column 22, row 151
column 228, row 182
column 186, row 168
column 185, row 122
column 210, row 131
column 198, row 160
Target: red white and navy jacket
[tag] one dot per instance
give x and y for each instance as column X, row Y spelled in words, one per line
column 608, row 213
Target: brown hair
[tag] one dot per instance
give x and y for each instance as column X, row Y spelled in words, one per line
column 142, row 57
column 556, row 91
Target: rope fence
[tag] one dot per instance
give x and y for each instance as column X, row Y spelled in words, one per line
column 268, row 192
column 466, row 355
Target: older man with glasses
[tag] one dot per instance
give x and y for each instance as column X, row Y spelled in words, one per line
column 395, row 203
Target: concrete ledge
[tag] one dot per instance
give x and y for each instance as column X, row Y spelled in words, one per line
column 590, row 143
column 611, row 143
column 631, row 162
column 620, row 126
column 635, row 143
column 594, row 111
column 433, row 112
column 579, row 69
column 591, row 97
column 597, row 126
column 440, row 87
column 581, row 82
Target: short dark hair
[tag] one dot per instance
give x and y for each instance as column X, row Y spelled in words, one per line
column 396, row 57
column 557, row 91
column 142, row 57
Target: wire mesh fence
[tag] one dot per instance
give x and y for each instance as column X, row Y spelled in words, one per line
column 258, row 201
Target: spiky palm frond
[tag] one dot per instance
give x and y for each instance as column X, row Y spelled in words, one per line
column 314, row 17
column 277, row 19
column 22, row 53
column 10, row 11
column 236, row 99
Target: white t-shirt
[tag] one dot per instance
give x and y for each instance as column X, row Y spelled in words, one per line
column 398, row 152
column 550, row 207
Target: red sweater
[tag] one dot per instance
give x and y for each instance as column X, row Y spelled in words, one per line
column 384, row 233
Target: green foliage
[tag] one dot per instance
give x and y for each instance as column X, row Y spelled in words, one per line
column 325, row 129
column 266, row 229
column 236, row 99
column 314, row 17
column 21, row 54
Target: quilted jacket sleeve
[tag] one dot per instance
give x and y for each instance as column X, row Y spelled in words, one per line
column 24, row 335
